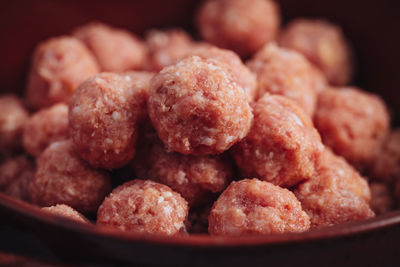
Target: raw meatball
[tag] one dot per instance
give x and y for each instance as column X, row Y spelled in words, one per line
column 252, row 206
column 13, row 116
column 282, row 147
column 166, row 47
column 381, row 198
column 386, row 163
column 353, row 123
column 197, row 108
column 244, row 77
column 15, row 176
column 59, row 66
column 103, row 117
column 194, row 177
column 285, row 72
column 240, row 25
column 115, row 49
column 45, row 127
column 336, row 193
column 144, row 207
column 64, row 178
column 323, row 44
column 66, row 211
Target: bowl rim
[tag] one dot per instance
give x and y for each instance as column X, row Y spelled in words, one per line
column 35, row 213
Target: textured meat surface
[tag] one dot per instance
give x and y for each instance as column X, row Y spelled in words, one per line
column 66, row 211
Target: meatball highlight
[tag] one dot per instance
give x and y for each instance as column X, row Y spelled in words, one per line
column 67, row 212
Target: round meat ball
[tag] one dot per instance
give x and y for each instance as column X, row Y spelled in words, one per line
column 285, row 72
column 166, row 47
column 15, row 176
column 13, row 117
column 336, row 194
column 67, row 212
column 252, row 206
column 197, row 108
column 324, row 45
column 62, row 177
column 59, row 65
column 103, row 116
column 386, row 163
column 144, row 207
column 282, row 147
column 115, row 49
column 240, row 25
column 194, row 177
column 353, row 123
column 381, row 198
column 45, row 127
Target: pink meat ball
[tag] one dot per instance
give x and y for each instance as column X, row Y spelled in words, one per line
column 323, row 44
column 336, row 194
column 67, row 212
column 45, row 127
column 282, row 147
column 353, row 123
column 382, row 199
column 144, row 207
column 240, row 25
column 197, row 108
column 59, row 65
column 103, row 116
column 115, row 49
column 62, row 177
column 252, row 206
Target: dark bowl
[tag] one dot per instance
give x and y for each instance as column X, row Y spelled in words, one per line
column 372, row 26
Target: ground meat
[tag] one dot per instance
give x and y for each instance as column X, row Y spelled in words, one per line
column 252, row 206
column 197, row 108
column 15, row 176
column 194, row 177
column 59, row 66
column 13, row 116
column 103, row 116
column 323, row 44
column 336, row 194
column 144, row 207
column 45, row 127
column 386, row 163
column 353, row 123
column 282, row 147
column 285, row 72
column 115, row 49
column 166, row 47
column 381, row 198
column 64, row 178
column 240, row 25
column 66, row 211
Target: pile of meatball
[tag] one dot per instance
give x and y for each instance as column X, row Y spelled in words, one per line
column 251, row 130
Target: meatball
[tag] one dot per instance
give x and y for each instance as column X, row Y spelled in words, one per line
column 240, row 25
column 282, row 147
column 285, row 72
column 166, row 47
column 144, row 207
column 115, row 49
column 59, row 65
column 323, row 44
column 103, row 117
column 62, row 177
column 45, row 127
column 197, row 108
column 252, row 206
column 386, row 163
column 194, row 177
column 67, row 212
column 13, row 116
column 381, row 198
column 353, row 123
column 15, row 176
column 336, row 194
